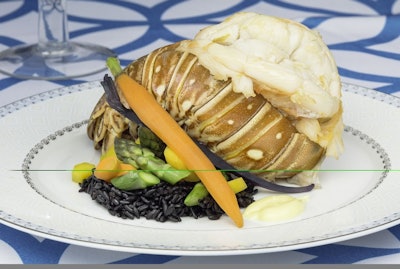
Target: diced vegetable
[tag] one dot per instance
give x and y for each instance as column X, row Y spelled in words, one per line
column 135, row 179
column 169, row 131
column 237, row 184
column 172, row 159
column 129, row 152
column 82, row 171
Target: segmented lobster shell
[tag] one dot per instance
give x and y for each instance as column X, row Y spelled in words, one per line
column 248, row 133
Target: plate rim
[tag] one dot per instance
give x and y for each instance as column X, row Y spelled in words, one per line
column 41, row 97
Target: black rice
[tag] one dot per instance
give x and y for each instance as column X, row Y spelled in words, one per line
column 162, row 202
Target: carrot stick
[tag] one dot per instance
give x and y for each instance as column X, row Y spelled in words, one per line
column 168, row 130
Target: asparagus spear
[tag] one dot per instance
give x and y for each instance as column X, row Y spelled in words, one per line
column 195, row 195
column 149, row 140
column 129, row 152
column 135, row 179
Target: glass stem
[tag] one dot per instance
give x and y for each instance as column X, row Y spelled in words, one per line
column 53, row 29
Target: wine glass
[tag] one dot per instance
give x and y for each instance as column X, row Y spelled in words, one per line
column 54, row 57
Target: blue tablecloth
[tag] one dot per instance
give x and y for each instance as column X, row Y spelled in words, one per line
column 364, row 39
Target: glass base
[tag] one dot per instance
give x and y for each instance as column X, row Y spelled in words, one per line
column 33, row 62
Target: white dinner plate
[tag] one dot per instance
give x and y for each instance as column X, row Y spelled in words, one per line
column 43, row 136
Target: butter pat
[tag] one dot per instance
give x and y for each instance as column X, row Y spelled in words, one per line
column 275, row 208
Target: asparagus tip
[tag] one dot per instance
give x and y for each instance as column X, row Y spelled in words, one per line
column 114, row 66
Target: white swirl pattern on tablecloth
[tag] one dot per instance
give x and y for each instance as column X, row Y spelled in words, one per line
column 145, row 26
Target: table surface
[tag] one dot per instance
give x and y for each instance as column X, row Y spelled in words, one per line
column 362, row 35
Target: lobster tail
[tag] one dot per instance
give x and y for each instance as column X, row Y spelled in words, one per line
column 261, row 92
column 248, row 132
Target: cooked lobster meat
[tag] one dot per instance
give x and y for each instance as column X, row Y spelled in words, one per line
column 261, row 92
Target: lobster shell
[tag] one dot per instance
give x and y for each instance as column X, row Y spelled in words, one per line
column 248, row 132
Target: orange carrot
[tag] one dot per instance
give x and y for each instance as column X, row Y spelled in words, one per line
column 169, row 131
column 107, row 168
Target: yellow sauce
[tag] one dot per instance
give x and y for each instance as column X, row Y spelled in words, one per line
column 275, row 208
